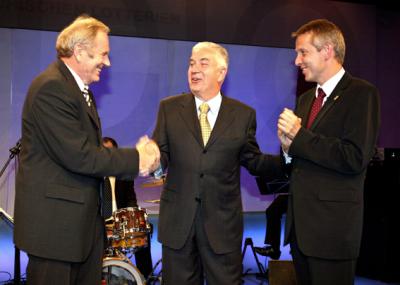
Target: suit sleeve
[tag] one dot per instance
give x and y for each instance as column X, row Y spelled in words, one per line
column 256, row 162
column 58, row 123
column 351, row 151
column 160, row 136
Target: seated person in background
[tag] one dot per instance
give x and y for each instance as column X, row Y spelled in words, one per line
column 273, row 214
column 125, row 196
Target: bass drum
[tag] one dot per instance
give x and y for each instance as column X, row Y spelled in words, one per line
column 120, row 271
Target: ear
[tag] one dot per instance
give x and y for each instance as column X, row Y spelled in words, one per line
column 222, row 74
column 329, row 52
column 78, row 52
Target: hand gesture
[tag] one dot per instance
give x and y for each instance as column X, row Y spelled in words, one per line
column 285, row 141
column 288, row 124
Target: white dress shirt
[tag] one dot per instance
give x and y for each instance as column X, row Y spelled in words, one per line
column 78, row 80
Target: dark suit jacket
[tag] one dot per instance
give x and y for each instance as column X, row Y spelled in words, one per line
column 210, row 173
column 62, row 164
column 328, row 169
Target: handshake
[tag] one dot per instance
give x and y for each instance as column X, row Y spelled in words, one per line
column 149, row 156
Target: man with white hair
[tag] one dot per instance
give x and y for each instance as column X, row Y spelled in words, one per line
column 204, row 138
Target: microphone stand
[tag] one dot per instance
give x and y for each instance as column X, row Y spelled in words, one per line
column 13, row 152
column 17, row 266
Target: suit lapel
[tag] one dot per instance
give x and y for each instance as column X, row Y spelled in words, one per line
column 92, row 111
column 224, row 119
column 188, row 113
column 303, row 110
column 77, row 92
column 333, row 98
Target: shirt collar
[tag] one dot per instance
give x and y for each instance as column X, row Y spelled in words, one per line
column 78, row 80
column 329, row 85
column 214, row 103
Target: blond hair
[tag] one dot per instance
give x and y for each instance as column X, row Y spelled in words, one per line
column 323, row 32
column 82, row 31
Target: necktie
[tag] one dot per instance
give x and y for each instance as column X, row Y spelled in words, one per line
column 204, row 124
column 107, row 199
column 86, row 95
column 316, row 107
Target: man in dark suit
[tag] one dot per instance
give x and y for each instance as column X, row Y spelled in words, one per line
column 200, row 221
column 125, row 196
column 329, row 151
column 62, row 163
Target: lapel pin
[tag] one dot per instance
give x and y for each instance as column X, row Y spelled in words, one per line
column 334, row 99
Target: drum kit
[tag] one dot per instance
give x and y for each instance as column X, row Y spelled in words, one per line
column 127, row 232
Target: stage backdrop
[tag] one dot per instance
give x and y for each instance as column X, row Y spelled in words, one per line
column 143, row 71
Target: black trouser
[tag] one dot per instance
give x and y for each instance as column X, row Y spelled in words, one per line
column 274, row 214
column 189, row 265
column 143, row 258
column 318, row 271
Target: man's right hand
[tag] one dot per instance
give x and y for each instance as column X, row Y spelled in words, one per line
column 149, row 155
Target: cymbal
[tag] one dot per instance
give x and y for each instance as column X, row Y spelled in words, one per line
column 152, row 183
column 157, row 201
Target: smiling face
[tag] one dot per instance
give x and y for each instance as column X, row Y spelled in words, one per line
column 311, row 61
column 93, row 58
column 205, row 73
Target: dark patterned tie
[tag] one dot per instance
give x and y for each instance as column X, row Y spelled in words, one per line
column 86, row 95
column 316, row 107
column 107, row 199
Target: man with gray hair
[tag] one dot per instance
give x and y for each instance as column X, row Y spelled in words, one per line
column 204, row 138
column 58, row 196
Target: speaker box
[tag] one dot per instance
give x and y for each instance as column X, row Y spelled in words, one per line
column 380, row 247
column 281, row 272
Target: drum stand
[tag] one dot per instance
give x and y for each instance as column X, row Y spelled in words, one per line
column 262, row 273
column 153, row 278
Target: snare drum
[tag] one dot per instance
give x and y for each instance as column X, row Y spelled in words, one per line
column 119, row 270
column 130, row 229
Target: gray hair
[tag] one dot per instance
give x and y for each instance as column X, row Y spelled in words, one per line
column 81, row 31
column 221, row 53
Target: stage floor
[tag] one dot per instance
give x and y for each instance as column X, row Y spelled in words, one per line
column 254, row 229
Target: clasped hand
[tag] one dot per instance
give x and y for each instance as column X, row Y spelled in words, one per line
column 149, row 155
column 288, row 126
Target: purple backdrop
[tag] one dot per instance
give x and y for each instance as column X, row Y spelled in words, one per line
column 143, row 72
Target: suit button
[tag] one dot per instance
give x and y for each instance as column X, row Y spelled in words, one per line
column 201, row 175
column 204, row 151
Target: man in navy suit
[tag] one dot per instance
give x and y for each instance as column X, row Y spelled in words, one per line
column 200, row 221
column 329, row 151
